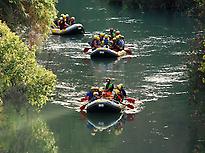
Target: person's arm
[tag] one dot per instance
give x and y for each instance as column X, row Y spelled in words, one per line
column 124, row 93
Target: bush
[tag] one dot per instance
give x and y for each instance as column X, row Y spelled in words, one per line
column 33, row 16
column 18, row 68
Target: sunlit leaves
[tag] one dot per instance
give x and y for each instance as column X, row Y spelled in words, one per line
column 202, row 65
column 18, row 67
column 40, row 85
column 36, row 15
column 200, row 4
column 41, row 14
column 155, row 4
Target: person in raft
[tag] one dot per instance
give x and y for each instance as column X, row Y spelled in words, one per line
column 108, row 87
column 111, row 33
column 62, row 23
column 106, row 41
column 92, row 94
column 120, row 93
column 120, row 43
column 101, row 35
column 72, row 21
column 95, row 43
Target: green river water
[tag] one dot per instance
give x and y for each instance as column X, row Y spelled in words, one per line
column 156, row 73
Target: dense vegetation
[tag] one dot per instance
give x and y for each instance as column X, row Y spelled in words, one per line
column 19, row 70
column 155, row 4
column 200, row 12
column 31, row 17
column 200, row 8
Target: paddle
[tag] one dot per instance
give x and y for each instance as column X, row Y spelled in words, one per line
column 128, row 51
column 131, row 100
column 84, row 99
column 86, row 49
column 128, row 105
column 83, row 106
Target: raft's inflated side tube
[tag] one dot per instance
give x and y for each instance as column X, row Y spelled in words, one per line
column 103, row 53
column 71, row 30
column 103, row 106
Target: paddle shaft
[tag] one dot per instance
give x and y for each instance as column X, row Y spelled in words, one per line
column 128, row 105
column 83, row 106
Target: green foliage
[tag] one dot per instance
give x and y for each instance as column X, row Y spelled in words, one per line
column 200, row 13
column 200, row 2
column 36, row 15
column 156, row 4
column 41, row 14
column 40, row 86
column 18, row 68
column 200, row 8
column 202, row 64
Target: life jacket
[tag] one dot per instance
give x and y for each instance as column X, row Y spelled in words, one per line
column 107, row 95
column 112, row 35
column 109, row 87
column 71, row 22
column 101, row 38
column 114, row 46
column 118, row 95
column 62, row 24
column 106, row 41
column 120, row 44
column 89, row 95
column 95, row 43
column 67, row 19
column 101, row 41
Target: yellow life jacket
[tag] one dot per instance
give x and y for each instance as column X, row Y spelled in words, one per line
column 117, row 91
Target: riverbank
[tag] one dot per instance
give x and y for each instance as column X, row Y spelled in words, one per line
column 199, row 49
column 20, row 72
column 155, row 4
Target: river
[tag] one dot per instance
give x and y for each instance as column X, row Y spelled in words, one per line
column 156, row 73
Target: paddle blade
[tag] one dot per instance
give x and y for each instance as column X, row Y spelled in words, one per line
column 84, row 99
column 130, row 106
column 131, row 100
column 128, row 51
column 86, row 50
column 82, row 107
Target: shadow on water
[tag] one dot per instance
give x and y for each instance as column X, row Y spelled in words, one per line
column 110, row 61
column 106, row 122
column 73, row 36
column 22, row 130
column 104, row 61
